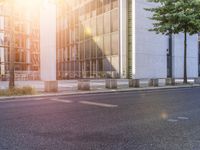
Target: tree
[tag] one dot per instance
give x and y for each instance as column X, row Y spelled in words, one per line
column 12, row 48
column 174, row 17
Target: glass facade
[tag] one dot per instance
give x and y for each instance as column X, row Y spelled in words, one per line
column 22, row 25
column 88, row 39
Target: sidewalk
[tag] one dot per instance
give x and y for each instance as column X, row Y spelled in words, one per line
column 69, row 87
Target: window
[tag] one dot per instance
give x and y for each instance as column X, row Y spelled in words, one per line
column 115, row 43
column 99, row 41
column 114, row 4
column 82, row 50
column 100, row 25
column 107, row 64
column 107, row 44
column 107, row 23
column 99, row 6
column 87, row 49
column 93, row 26
column 115, row 20
column 93, row 49
column 107, row 5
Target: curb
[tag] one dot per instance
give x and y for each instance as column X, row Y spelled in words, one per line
column 101, row 92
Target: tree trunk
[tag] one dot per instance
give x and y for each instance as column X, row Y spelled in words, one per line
column 185, row 57
column 12, row 53
column 12, row 69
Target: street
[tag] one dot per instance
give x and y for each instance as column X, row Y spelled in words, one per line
column 151, row 120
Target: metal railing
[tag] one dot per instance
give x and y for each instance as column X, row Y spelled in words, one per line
column 22, row 76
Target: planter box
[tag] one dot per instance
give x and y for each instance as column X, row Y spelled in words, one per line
column 134, row 83
column 154, row 82
column 51, row 86
column 197, row 81
column 111, row 83
column 170, row 81
column 84, row 85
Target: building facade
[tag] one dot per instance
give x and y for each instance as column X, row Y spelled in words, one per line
column 19, row 34
column 97, row 39
column 110, row 38
column 151, row 55
column 88, row 39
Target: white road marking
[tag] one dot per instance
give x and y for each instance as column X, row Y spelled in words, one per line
column 98, row 104
column 23, row 100
column 113, row 90
column 172, row 120
column 183, row 118
column 60, row 100
column 38, row 99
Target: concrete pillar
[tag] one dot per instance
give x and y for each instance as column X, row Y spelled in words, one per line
column 123, row 38
column 84, row 85
column 134, row 83
column 170, row 81
column 48, row 47
column 111, row 83
column 154, row 82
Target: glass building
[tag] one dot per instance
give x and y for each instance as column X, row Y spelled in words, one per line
column 88, row 39
column 95, row 39
column 21, row 24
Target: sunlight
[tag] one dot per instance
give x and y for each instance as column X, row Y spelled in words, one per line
column 88, row 31
column 27, row 4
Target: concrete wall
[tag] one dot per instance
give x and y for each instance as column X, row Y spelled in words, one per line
column 150, row 48
column 48, row 42
column 178, row 56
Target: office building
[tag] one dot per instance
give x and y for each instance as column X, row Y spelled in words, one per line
column 110, row 38
column 19, row 34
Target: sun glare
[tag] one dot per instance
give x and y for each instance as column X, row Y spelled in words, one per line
column 27, row 4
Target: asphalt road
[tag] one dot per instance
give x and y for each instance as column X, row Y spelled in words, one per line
column 157, row 120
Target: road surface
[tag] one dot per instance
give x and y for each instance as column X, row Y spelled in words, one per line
column 153, row 120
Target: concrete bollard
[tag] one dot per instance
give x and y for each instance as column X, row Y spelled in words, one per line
column 154, row 82
column 84, row 85
column 51, row 86
column 197, row 81
column 111, row 83
column 170, row 81
column 134, row 83
column 161, row 82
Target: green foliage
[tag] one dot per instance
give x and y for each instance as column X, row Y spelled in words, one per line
column 18, row 91
column 175, row 16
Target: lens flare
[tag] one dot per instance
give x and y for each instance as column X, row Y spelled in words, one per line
column 164, row 115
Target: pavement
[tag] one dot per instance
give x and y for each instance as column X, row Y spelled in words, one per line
column 132, row 120
column 69, row 87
